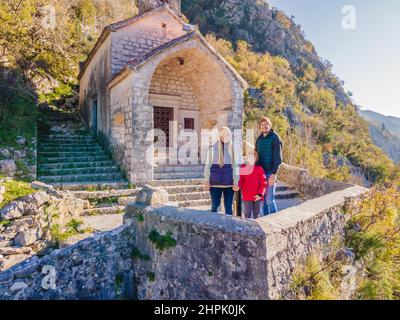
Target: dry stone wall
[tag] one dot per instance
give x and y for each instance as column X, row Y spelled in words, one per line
column 98, row 268
column 26, row 224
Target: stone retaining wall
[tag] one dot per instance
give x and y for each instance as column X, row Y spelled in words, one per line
column 95, row 268
column 221, row 257
column 306, row 184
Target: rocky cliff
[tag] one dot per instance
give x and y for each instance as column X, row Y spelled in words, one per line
column 266, row 29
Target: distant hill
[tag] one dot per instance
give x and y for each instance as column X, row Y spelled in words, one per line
column 386, row 140
column 390, row 123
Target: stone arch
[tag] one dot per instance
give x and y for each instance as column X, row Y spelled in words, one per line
column 212, row 88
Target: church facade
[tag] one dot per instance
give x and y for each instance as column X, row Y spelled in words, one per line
column 155, row 73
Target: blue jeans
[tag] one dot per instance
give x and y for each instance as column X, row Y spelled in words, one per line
column 216, row 194
column 269, row 205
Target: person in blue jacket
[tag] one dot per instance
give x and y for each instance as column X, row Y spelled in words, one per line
column 221, row 171
column 269, row 149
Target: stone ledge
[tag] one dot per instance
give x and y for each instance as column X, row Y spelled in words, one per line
column 290, row 217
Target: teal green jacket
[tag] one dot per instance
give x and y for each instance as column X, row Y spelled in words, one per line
column 269, row 149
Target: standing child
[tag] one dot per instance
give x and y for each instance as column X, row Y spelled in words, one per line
column 253, row 184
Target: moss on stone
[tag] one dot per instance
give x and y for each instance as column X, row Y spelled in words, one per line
column 136, row 254
column 151, row 276
column 162, row 242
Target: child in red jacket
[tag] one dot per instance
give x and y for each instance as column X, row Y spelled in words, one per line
column 253, row 184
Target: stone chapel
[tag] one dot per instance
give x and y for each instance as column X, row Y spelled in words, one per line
column 154, row 71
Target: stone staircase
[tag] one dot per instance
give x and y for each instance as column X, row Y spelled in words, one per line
column 70, row 158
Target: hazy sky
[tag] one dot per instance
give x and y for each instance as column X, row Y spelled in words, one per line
column 367, row 58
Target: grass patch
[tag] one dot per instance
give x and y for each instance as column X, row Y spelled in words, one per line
column 104, row 201
column 162, row 242
column 60, row 234
column 17, row 118
column 14, row 190
column 5, row 223
column 140, row 218
column 58, row 95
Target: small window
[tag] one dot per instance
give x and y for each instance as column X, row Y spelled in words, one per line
column 189, row 124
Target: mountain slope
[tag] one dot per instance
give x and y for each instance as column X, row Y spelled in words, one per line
column 386, row 141
column 266, row 30
column 390, row 123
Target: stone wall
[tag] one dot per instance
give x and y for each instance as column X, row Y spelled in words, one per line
column 213, row 256
column 306, row 184
column 26, row 224
column 95, row 268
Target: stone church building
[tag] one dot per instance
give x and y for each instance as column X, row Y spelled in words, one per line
column 148, row 71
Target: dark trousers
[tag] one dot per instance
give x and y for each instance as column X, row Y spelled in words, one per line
column 252, row 207
column 216, row 194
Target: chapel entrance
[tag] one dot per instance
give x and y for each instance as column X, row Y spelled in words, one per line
column 163, row 117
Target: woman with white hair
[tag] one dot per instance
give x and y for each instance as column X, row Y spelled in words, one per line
column 221, row 173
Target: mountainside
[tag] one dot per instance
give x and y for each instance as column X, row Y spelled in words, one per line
column 390, row 123
column 266, row 30
column 387, row 141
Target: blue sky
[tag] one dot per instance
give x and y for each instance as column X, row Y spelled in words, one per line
column 367, row 58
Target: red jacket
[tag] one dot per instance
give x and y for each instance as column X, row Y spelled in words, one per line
column 252, row 182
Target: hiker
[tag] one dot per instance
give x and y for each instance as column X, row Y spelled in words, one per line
column 253, row 185
column 221, row 171
column 269, row 149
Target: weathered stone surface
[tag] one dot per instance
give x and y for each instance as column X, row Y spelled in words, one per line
column 6, row 277
column 21, row 140
column 5, row 153
column 6, row 243
column 7, row 251
column 152, row 196
column 37, row 199
column 8, row 167
column 2, row 192
column 96, row 268
column 37, row 185
column 12, row 211
column 307, row 185
column 18, row 286
column 28, row 237
column 221, row 257
column 10, row 261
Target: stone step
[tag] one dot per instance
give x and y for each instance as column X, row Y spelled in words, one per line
column 175, row 182
column 58, row 136
column 189, row 196
column 104, row 210
column 126, row 200
column 192, row 203
column 73, row 171
column 103, row 222
column 53, row 160
column 71, row 154
column 184, row 189
column 76, row 165
column 67, row 142
column 86, row 195
column 184, row 169
column 178, row 175
column 289, row 194
column 73, row 148
column 90, row 185
column 82, row 178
